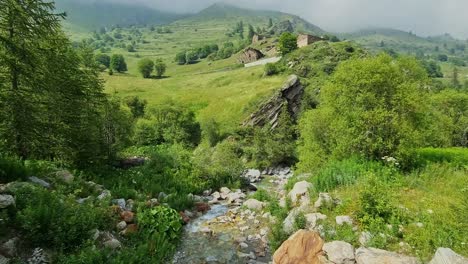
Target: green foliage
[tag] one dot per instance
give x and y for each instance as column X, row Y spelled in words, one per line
column 455, row 156
column 12, row 169
column 160, row 68
column 161, row 220
column 211, row 132
column 181, row 58
column 271, row 69
column 49, row 219
column 191, row 57
column 371, row 108
column 287, row 43
column 219, row 166
column 433, row 69
column 118, row 63
column 103, row 59
column 131, row 48
column 377, row 205
column 442, row 57
column 300, row 221
column 168, row 124
column 272, row 147
column 137, row 106
column 146, row 67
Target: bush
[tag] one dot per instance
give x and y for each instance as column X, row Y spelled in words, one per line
column 103, row 59
column 371, row 108
column 160, row 220
column 300, row 221
column 49, row 219
column 118, row 63
column 181, row 58
column 145, row 67
column 287, row 43
column 191, row 57
column 12, row 169
column 271, row 69
column 137, row 106
column 160, row 68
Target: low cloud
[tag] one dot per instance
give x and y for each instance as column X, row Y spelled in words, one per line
column 425, row 17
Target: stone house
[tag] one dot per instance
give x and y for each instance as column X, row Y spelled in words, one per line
column 257, row 38
column 250, row 55
column 304, row 40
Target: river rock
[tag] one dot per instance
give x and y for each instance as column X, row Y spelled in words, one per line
column 339, row 252
column 224, row 191
column 127, row 216
column 40, row 182
column 112, row 244
column 120, row 202
column 233, row 196
column 9, row 248
column 38, row 257
column 6, row 200
column 304, row 247
column 447, row 256
column 202, row 207
column 4, row 260
column 121, row 225
column 65, row 176
column 254, row 204
column 344, row 219
column 364, row 238
column 313, row 218
column 253, row 175
column 324, row 200
column 379, row 256
column 300, row 189
column 104, row 195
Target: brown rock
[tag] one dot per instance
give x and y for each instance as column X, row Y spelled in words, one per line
column 131, row 229
column 202, row 207
column 304, row 247
column 127, row 216
column 184, row 217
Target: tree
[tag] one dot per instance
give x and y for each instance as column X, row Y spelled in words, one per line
column 103, row 59
column 442, row 57
column 145, row 67
column 455, row 79
column 372, row 108
column 136, row 105
column 130, row 48
column 191, row 57
column 287, row 43
column 251, row 32
column 160, row 68
column 118, row 63
column 181, row 58
column 270, row 22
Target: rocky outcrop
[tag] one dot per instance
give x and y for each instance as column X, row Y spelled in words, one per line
column 282, row 27
column 268, row 113
column 299, row 190
column 447, row 256
column 379, row 256
column 304, row 247
column 250, row 55
column 339, row 252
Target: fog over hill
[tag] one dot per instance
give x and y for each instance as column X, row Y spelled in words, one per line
column 424, row 17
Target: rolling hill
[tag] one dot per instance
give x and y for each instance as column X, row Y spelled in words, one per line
column 95, row 14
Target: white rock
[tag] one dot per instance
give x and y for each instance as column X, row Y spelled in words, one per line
column 243, row 245
column 447, row 256
column 420, row 225
column 379, row 256
column 254, row 204
column 339, row 252
column 40, row 182
column 9, row 248
column 225, row 190
column 324, row 200
column 112, row 244
column 4, row 260
column 6, row 200
column 65, row 176
column 105, row 194
column 121, row 225
column 365, row 238
column 313, row 218
column 344, row 219
column 300, row 189
column 233, row 196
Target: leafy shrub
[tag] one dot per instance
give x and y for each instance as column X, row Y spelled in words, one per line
column 455, row 156
column 118, row 63
column 160, row 68
column 181, row 58
column 160, row 220
column 12, row 169
column 145, row 67
column 287, row 43
column 271, row 69
column 52, row 220
column 191, row 57
column 137, row 106
column 300, row 221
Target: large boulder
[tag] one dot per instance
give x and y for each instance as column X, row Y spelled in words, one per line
column 289, row 95
column 299, row 190
column 252, row 175
column 6, row 200
column 447, row 256
column 4, row 260
column 40, row 182
column 254, row 204
column 379, row 256
column 313, row 218
column 65, row 176
column 339, row 252
column 304, row 247
column 10, row 247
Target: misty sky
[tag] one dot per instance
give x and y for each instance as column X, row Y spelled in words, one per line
column 425, row 17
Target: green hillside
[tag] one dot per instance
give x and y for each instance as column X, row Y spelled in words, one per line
column 95, row 14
